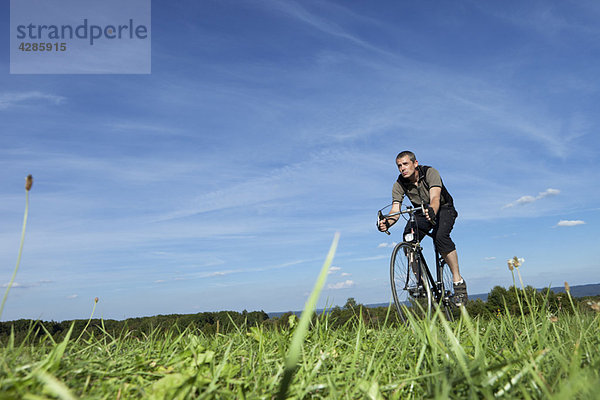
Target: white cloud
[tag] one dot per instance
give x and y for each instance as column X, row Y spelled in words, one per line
column 345, row 274
column 219, row 273
column 73, row 296
column 564, row 222
column 341, row 285
column 10, row 99
column 530, row 199
column 333, row 270
column 385, row 244
column 525, row 200
column 298, row 12
column 18, row 285
column 15, row 285
column 381, row 257
column 159, row 281
column 489, row 258
column 549, row 192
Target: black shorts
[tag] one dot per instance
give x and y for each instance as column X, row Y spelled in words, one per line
column 441, row 231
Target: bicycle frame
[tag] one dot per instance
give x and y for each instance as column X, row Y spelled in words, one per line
column 436, row 285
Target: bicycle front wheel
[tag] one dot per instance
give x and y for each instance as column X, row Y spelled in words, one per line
column 410, row 286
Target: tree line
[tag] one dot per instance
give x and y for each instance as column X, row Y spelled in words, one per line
column 500, row 301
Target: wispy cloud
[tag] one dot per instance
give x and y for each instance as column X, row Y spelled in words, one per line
column 333, row 270
column 345, row 274
column 221, row 273
column 372, row 258
column 18, row 285
column 73, row 296
column 565, row 222
column 140, row 127
column 549, row 20
column 385, row 244
column 489, row 258
column 300, row 13
column 530, row 199
column 11, row 99
column 341, row 285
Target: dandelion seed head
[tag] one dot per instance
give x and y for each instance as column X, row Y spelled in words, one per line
column 517, row 261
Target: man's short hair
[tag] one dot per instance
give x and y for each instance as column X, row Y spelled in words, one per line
column 405, row 153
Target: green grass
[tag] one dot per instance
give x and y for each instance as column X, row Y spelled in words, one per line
column 507, row 357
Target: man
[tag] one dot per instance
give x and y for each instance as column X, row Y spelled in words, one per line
column 423, row 185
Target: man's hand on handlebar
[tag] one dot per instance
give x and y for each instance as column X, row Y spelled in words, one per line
column 429, row 214
column 385, row 221
column 383, row 225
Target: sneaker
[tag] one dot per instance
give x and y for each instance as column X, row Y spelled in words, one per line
column 460, row 293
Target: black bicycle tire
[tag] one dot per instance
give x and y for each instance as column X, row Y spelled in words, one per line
column 400, row 276
column 429, row 302
column 448, row 292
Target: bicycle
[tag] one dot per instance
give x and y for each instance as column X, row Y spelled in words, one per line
column 411, row 279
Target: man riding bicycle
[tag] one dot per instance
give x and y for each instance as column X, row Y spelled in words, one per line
column 423, row 185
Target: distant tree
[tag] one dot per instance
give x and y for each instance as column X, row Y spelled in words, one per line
column 496, row 299
column 350, row 304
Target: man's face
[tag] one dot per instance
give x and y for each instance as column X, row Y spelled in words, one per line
column 406, row 167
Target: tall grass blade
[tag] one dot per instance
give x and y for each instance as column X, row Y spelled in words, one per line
column 54, row 386
column 295, row 349
column 28, row 182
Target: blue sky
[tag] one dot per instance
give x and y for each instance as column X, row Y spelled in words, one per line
column 218, row 181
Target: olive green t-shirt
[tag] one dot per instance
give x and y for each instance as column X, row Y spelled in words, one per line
column 418, row 193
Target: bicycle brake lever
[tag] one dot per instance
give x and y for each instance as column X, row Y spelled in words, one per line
column 380, row 216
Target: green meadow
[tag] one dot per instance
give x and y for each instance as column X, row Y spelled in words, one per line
column 528, row 356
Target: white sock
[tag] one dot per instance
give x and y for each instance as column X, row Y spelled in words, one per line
column 459, row 282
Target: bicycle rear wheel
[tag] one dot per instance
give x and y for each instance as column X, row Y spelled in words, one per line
column 450, row 309
column 410, row 286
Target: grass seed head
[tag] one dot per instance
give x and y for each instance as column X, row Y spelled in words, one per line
column 511, row 266
column 28, row 182
column 567, row 287
column 96, row 300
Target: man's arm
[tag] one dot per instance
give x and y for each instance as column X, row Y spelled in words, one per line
column 391, row 220
column 434, row 201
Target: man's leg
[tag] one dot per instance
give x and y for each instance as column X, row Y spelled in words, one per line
column 447, row 248
column 451, row 259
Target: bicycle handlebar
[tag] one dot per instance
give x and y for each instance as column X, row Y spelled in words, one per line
column 409, row 210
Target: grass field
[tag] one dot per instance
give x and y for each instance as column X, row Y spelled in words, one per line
column 527, row 356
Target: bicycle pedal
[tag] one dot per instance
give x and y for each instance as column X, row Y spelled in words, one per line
column 417, row 292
